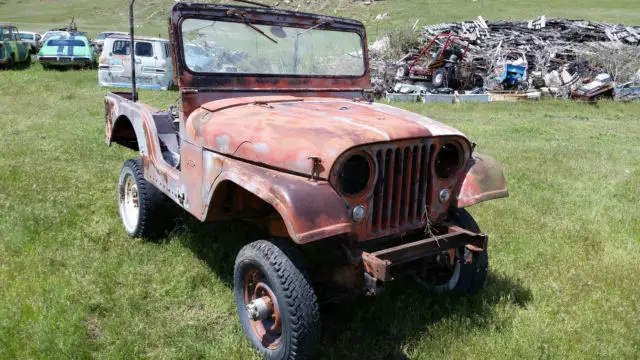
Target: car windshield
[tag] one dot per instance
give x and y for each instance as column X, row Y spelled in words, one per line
column 65, row 42
column 229, row 47
column 102, row 36
column 24, row 36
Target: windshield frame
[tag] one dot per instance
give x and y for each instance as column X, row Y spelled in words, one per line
column 327, row 26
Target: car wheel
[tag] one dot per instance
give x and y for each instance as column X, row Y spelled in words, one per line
column 12, row 62
column 138, row 201
column 277, row 306
column 460, row 271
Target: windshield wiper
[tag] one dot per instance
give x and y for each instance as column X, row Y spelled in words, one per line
column 242, row 15
column 295, row 44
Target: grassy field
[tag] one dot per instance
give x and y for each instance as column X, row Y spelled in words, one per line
column 564, row 247
column 96, row 16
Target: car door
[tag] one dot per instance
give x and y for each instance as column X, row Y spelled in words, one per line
column 119, row 61
column 163, row 65
column 22, row 47
column 145, row 64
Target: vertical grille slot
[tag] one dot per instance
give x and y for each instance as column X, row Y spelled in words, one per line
column 401, row 189
column 422, row 183
column 388, row 196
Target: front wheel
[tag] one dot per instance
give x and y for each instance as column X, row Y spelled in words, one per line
column 277, row 306
column 440, row 78
column 458, row 271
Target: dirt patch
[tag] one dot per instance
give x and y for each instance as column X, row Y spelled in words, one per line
column 94, row 328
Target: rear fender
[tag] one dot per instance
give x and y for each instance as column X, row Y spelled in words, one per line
column 124, row 118
column 482, row 181
column 311, row 210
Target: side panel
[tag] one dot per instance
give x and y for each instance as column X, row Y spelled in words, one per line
column 484, row 180
column 311, row 210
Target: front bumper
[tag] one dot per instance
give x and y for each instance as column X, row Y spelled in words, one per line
column 65, row 60
column 386, row 264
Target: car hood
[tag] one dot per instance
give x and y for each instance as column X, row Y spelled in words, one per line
column 283, row 132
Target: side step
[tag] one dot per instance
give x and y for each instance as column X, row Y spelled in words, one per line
column 380, row 265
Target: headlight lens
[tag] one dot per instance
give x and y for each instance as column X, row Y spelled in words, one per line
column 448, row 160
column 355, row 175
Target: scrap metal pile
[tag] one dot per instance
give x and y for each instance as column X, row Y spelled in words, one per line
column 510, row 56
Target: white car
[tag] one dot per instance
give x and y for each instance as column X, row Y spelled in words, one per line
column 32, row 38
column 99, row 40
column 154, row 69
column 51, row 33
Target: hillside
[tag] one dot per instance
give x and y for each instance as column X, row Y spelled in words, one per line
column 96, row 16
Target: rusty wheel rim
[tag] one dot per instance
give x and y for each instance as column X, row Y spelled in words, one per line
column 268, row 330
column 446, row 269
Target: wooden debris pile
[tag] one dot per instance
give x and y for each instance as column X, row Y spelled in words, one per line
column 564, row 36
column 550, row 45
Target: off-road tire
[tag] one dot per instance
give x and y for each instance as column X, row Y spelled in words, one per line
column 298, row 305
column 470, row 277
column 440, row 78
column 150, row 200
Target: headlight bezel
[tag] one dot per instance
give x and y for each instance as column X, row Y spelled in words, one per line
column 366, row 188
column 444, row 169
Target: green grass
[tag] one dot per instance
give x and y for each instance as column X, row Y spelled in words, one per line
column 96, row 16
column 564, row 248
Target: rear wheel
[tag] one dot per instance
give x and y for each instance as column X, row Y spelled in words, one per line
column 138, row 201
column 277, row 306
column 459, row 271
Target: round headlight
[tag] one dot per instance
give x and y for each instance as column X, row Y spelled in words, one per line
column 354, row 175
column 448, row 160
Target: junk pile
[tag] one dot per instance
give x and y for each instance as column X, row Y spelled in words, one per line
column 512, row 60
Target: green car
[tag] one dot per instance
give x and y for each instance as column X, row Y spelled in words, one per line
column 12, row 49
column 67, row 51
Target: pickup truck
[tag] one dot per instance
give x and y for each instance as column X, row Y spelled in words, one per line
column 275, row 125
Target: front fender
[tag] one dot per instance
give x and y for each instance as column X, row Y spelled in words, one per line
column 482, row 181
column 311, row 210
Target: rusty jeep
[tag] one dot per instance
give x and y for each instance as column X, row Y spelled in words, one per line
column 274, row 125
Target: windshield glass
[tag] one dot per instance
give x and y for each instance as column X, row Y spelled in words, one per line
column 24, row 36
column 102, row 36
column 65, row 42
column 227, row 47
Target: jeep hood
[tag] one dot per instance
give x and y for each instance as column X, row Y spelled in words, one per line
column 283, row 131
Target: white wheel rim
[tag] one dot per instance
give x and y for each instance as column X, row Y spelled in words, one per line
column 129, row 203
column 438, row 79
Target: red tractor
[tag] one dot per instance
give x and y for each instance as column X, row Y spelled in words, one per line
column 438, row 62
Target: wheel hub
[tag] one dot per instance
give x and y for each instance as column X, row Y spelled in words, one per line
column 262, row 309
column 129, row 203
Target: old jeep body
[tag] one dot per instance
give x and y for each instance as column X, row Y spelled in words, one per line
column 306, row 157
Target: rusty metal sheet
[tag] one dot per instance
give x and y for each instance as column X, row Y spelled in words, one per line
column 311, row 210
column 283, row 132
column 484, row 180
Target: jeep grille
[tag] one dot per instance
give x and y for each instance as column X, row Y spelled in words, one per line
column 400, row 193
